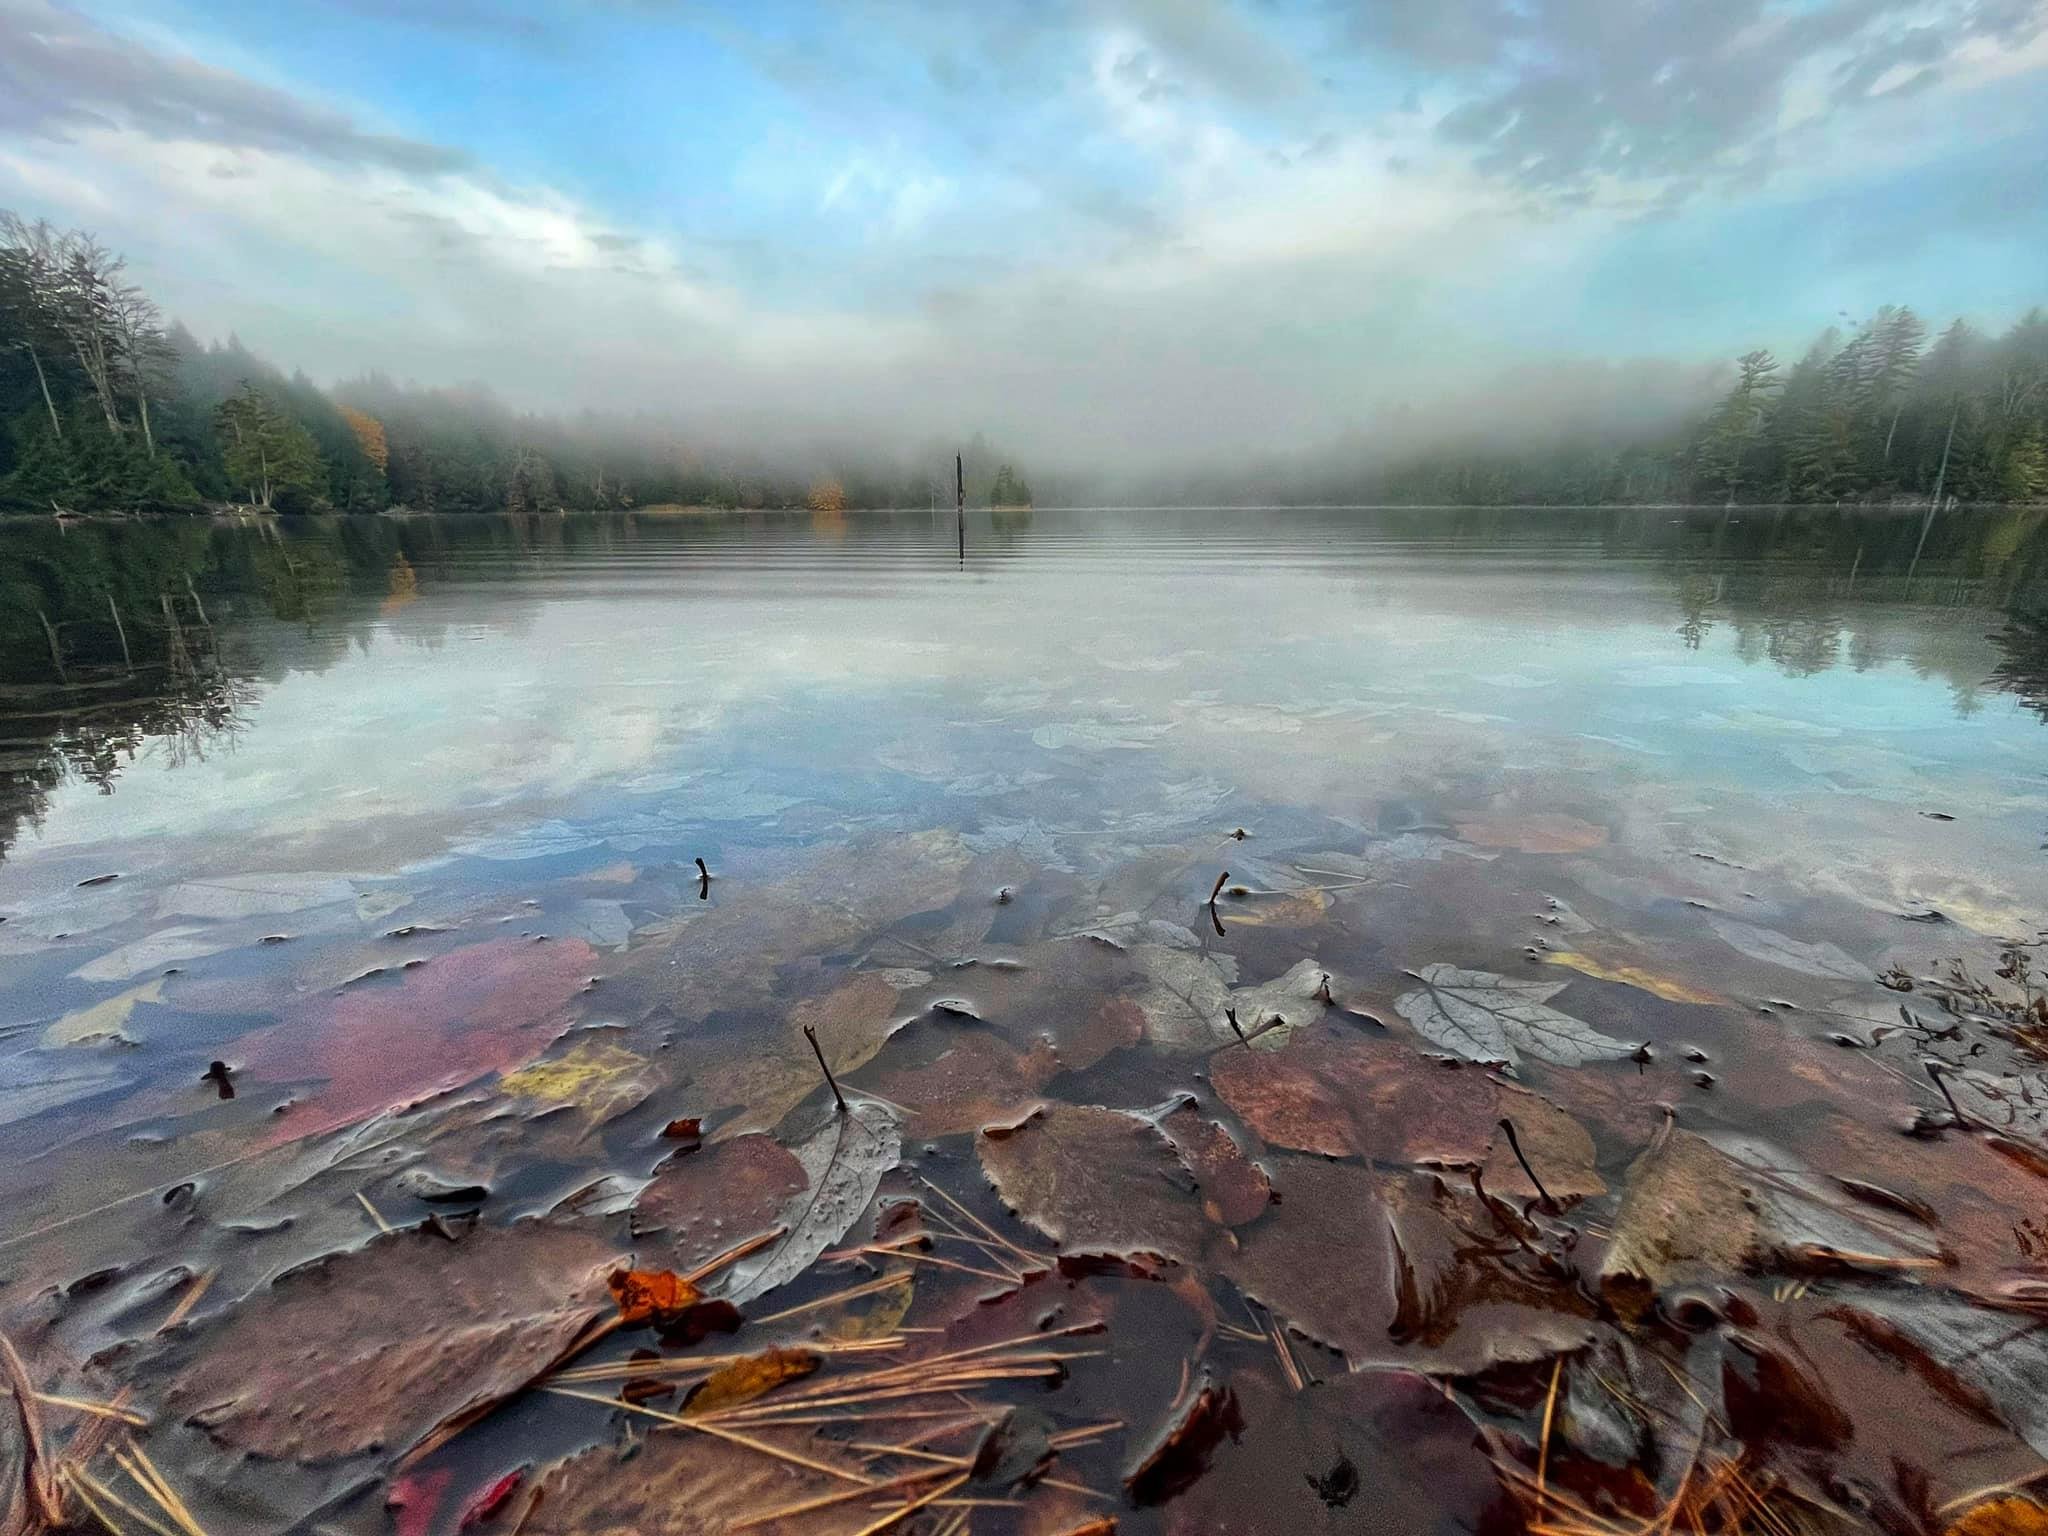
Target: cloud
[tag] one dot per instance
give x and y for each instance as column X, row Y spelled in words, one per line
column 1562, row 96
column 60, row 75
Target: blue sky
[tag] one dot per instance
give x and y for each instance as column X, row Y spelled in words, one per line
column 1079, row 223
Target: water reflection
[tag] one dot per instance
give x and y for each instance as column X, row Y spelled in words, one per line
column 118, row 641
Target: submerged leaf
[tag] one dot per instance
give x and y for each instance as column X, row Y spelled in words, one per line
column 1234, row 1189
column 595, row 1074
column 323, row 1365
column 1184, row 997
column 104, row 1021
column 1774, row 948
column 744, row 1380
column 1643, row 980
column 1096, row 1180
column 843, row 1165
column 1484, row 1017
column 651, row 1296
column 708, row 1201
column 1540, row 832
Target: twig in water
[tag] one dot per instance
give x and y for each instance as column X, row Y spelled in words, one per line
column 1322, row 993
column 703, row 882
column 189, row 1300
column 1217, row 890
column 1231, row 1015
column 1934, row 1071
column 811, row 1034
column 1515, row 1142
column 375, row 1215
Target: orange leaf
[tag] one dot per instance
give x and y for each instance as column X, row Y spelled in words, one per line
column 657, row 1296
column 745, row 1380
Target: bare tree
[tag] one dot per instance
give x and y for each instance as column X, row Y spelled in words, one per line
column 29, row 281
column 143, row 354
column 89, row 279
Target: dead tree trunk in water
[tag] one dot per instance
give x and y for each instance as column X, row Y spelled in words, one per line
column 960, row 504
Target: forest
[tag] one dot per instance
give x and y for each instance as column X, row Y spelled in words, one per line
column 108, row 407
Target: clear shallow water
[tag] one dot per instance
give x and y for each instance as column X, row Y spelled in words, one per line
column 429, row 794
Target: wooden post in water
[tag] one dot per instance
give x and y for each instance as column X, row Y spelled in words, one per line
column 119, row 629
column 960, row 505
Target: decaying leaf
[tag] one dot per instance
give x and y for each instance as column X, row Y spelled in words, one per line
column 1333, row 1090
column 1774, row 948
column 1233, row 1188
column 1538, row 832
column 1196, row 1426
column 1268, row 1013
column 688, row 1484
column 706, row 1202
column 1183, row 997
column 1641, row 978
column 977, row 1080
column 744, row 1380
column 1484, row 1017
column 1096, row 1180
column 322, row 1365
column 843, row 1164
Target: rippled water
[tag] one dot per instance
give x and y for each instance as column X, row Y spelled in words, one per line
column 398, row 811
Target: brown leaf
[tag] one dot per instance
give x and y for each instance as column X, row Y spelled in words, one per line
column 324, row 1365
column 1096, row 1180
column 708, row 1201
column 689, row 1484
column 657, row 1296
column 1540, row 832
column 1556, row 1145
column 1686, row 1212
column 745, row 1380
column 1181, row 1454
column 977, row 1080
column 1332, row 1090
column 1234, row 1189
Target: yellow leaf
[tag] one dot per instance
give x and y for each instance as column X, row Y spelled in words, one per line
column 745, row 1380
column 2009, row 1516
column 1631, row 976
column 595, row 1074
column 875, row 1316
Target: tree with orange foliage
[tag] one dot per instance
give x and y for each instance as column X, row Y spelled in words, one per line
column 827, row 495
column 369, row 433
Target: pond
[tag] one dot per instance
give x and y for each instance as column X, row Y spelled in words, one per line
column 1212, row 1021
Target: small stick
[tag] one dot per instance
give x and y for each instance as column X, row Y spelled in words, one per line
column 1218, row 889
column 703, row 882
column 375, row 1214
column 1323, row 992
column 1231, row 1015
column 1549, row 1409
column 811, row 1034
column 1934, row 1071
column 1515, row 1142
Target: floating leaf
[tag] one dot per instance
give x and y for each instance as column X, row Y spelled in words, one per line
column 706, row 1202
column 324, row 1365
column 1180, row 1454
column 1096, row 1180
column 1774, row 948
column 744, row 1380
column 1270, row 1011
column 1541, row 832
column 160, row 950
column 2012, row 1515
column 843, row 1164
column 1128, row 929
column 1484, row 1017
column 656, row 1297
column 1643, row 980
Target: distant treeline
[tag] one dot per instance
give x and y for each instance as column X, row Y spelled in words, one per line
column 108, row 409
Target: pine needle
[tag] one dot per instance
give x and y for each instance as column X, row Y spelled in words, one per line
column 911, row 1508
column 95, row 1410
column 375, row 1215
column 704, row 1427
column 188, row 1301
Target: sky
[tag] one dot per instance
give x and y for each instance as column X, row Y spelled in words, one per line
column 1090, row 228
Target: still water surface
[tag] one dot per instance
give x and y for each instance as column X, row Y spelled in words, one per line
column 405, row 831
